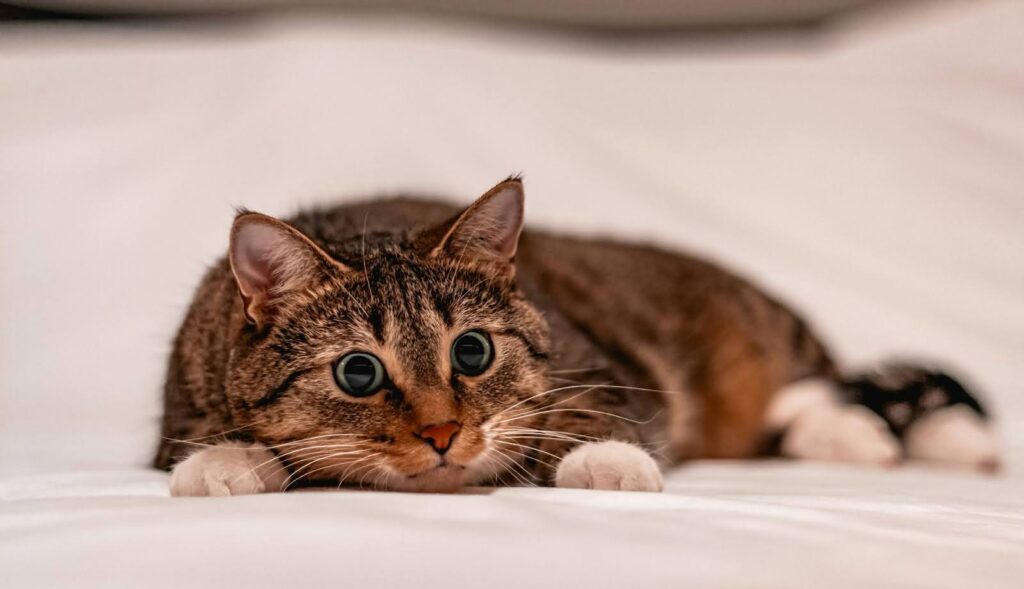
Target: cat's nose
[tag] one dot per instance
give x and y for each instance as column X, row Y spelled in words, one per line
column 440, row 436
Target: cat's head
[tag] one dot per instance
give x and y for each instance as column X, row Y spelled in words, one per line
column 393, row 369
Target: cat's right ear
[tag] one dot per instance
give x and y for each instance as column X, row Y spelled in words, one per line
column 270, row 260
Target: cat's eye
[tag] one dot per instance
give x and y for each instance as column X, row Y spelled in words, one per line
column 359, row 374
column 472, row 353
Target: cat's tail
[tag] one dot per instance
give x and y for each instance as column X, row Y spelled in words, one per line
column 897, row 411
column 933, row 415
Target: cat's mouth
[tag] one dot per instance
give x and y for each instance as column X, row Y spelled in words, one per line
column 439, row 469
column 430, row 472
column 444, row 477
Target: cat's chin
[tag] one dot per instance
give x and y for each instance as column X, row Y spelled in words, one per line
column 446, row 478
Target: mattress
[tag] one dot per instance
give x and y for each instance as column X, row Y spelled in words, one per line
column 870, row 173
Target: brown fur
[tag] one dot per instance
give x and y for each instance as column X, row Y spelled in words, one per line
column 647, row 346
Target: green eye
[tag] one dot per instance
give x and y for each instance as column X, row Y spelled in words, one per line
column 359, row 374
column 472, row 353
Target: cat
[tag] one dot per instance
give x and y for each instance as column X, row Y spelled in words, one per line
column 406, row 345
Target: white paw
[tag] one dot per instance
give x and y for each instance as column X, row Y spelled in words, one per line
column 614, row 466
column 955, row 436
column 841, row 434
column 228, row 469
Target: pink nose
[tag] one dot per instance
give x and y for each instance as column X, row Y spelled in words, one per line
column 440, row 436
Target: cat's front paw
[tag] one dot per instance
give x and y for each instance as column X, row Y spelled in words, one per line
column 612, row 466
column 228, row 469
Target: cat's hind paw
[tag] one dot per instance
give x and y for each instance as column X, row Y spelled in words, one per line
column 611, row 466
column 850, row 434
column 954, row 436
column 228, row 469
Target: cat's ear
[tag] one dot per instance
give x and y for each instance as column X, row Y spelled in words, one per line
column 489, row 229
column 270, row 259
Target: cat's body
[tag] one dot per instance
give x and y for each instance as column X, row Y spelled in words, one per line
column 669, row 356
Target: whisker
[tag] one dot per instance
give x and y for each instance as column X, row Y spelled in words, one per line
column 580, row 410
column 268, row 446
column 563, row 379
column 279, row 458
column 353, row 298
column 297, row 475
column 531, row 448
column 292, row 452
column 512, row 432
column 551, row 433
column 383, row 474
column 225, row 432
column 500, row 466
column 540, row 394
column 495, row 471
column 525, row 477
column 363, row 255
column 344, row 475
column 583, row 440
column 573, row 370
column 321, row 455
column 283, row 464
column 555, row 404
column 507, row 462
column 370, row 470
column 590, row 386
column 632, row 388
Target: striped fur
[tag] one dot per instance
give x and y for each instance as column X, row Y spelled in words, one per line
column 594, row 339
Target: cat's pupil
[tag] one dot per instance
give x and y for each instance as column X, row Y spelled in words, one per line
column 471, row 353
column 360, row 374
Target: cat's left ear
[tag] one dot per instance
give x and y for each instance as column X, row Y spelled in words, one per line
column 489, row 229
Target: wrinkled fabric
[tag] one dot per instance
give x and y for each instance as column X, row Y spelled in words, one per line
column 716, row 525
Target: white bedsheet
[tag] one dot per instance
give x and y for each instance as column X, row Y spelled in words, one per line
column 874, row 176
column 716, row 525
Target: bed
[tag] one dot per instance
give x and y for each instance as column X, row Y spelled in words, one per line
column 870, row 172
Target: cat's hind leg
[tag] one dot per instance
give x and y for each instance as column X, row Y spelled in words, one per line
column 814, row 424
column 229, row 468
column 933, row 414
column 883, row 417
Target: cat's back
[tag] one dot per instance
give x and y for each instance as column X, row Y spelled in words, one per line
column 345, row 230
column 611, row 273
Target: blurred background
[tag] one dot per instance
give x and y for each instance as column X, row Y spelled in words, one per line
column 862, row 159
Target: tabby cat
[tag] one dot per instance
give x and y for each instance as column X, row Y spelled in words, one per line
column 406, row 345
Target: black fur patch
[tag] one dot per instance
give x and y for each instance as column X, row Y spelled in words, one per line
column 376, row 321
column 531, row 348
column 902, row 394
column 280, row 390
